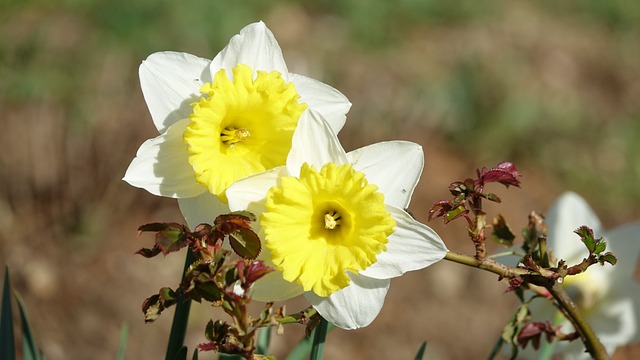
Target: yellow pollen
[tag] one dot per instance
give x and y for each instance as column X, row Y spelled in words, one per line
column 331, row 220
column 230, row 136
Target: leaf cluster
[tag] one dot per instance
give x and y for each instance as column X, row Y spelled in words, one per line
column 206, row 239
column 468, row 194
column 216, row 276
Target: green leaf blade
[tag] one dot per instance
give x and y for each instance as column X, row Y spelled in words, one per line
column 7, row 343
column 421, row 351
column 29, row 348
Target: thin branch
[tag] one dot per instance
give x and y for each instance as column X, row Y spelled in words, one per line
column 571, row 311
column 568, row 307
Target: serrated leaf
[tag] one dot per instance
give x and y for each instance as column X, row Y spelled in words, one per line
column 601, row 246
column 454, row 213
column 586, row 235
column 170, row 240
column 247, row 214
column 504, row 173
column 209, row 291
column 609, row 258
column 245, row 242
column 236, row 218
column 502, row 233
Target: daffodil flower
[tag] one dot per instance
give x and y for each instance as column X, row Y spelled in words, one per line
column 223, row 119
column 334, row 224
column 609, row 296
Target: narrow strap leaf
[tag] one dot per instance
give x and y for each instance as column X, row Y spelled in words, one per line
column 6, row 322
column 180, row 319
column 29, row 348
column 124, row 337
column 420, row 354
column 319, row 336
column 181, row 354
column 264, row 338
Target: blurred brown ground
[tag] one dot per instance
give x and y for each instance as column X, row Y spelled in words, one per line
column 68, row 222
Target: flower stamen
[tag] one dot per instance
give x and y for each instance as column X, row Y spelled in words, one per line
column 325, row 224
column 230, row 135
column 331, row 220
column 243, row 124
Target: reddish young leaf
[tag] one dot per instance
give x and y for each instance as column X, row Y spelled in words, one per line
column 504, row 173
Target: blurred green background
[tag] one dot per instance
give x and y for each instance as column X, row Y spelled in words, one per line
column 552, row 86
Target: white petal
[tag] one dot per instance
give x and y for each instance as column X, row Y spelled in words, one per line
column 411, row 247
column 170, row 82
column 273, row 287
column 355, row 306
column 624, row 242
column 314, row 143
column 394, row 166
column 566, row 215
column 256, row 47
column 615, row 322
column 161, row 166
column 249, row 193
column 202, row 209
column 326, row 100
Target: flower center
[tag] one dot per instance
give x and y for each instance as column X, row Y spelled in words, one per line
column 230, row 136
column 242, row 125
column 331, row 220
column 323, row 224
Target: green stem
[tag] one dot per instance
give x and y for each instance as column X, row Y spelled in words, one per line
column 319, row 336
column 180, row 317
column 297, row 318
column 569, row 308
column 503, row 254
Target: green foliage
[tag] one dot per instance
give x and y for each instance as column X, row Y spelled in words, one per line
column 7, row 342
column 381, row 23
column 319, row 336
column 180, row 319
column 264, row 338
column 421, row 351
column 302, row 350
column 30, row 349
column 122, row 345
column 595, row 246
column 512, row 328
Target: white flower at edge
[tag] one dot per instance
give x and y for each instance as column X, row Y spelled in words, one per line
column 315, row 204
column 609, row 296
column 222, row 119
